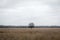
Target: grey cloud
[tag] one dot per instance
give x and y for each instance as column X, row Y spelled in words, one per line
column 21, row 12
column 8, row 3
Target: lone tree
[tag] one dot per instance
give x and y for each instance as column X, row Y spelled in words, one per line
column 31, row 25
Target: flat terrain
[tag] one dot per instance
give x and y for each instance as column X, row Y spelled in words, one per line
column 29, row 34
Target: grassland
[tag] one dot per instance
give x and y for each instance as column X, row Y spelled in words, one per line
column 29, row 34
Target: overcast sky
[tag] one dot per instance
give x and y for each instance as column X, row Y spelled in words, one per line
column 22, row 12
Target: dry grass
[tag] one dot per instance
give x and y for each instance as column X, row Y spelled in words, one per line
column 29, row 34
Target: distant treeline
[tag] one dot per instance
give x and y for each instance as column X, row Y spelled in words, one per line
column 2, row 26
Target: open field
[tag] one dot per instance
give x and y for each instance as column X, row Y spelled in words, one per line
column 29, row 34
